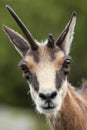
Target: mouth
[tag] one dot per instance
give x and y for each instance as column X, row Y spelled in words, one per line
column 48, row 110
column 48, row 107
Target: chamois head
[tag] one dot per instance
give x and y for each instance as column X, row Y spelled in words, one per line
column 46, row 65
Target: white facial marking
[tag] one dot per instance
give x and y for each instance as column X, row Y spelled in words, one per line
column 46, row 77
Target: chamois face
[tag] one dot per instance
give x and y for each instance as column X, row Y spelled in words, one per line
column 46, row 65
column 47, row 77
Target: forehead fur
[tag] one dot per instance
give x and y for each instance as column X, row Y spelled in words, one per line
column 44, row 55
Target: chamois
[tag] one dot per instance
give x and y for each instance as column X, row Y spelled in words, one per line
column 46, row 67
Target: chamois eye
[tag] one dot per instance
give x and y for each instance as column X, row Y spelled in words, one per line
column 66, row 66
column 25, row 69
column 67, row 61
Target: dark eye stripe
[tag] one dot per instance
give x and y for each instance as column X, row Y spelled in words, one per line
column 32, row 78
column 34, row 82
column 60, row 77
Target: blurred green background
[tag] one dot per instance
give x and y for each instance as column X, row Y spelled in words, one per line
column 41, row 17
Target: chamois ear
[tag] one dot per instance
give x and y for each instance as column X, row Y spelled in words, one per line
column 17, row 40
column 65, row 39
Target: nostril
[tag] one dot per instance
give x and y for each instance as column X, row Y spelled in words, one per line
column 48, row 96
column 42, row 96
column 53, row 95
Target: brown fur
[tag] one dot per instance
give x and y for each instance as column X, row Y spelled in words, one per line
column 73, row 114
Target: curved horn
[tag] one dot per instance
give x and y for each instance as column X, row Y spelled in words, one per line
column 26, row 32
column 50, row 41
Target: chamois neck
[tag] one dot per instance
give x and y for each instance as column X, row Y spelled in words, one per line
column 72, row 115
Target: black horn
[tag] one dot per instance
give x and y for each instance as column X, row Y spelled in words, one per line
column 50, row 41
column 26, row 32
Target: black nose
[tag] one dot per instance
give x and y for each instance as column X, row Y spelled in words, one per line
column 48, row 96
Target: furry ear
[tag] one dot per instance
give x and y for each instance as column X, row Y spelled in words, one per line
column 17, row 40
column 65, row 39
